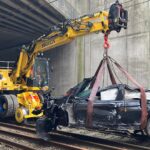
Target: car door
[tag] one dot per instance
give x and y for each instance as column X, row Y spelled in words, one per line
column 80, row 110
column 129, row 112
column 104, row 112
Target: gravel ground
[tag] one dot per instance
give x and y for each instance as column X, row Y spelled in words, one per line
column 38, row 146
column 6, row 147
column 118, row 138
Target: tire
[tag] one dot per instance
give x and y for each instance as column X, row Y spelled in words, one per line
column 147, row 130
column 20, row 113
column 15, row 102
column 10, row 103
column 6, row 105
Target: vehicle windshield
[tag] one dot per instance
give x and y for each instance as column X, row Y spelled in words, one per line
column 40, row 73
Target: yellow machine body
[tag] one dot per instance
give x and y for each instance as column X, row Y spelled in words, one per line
column 30, row 101
column 6, row 82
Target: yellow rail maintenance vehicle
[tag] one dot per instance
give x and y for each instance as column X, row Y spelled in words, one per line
column 20, row 86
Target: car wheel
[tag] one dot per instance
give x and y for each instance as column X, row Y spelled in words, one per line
column 147, row 130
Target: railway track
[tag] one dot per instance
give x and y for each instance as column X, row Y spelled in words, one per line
column 113, row 132
column 29, row 135
column 15, row 145
column 69, row 140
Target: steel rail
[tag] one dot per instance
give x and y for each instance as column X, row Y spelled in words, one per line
column 105, row 141
column 122, row 133
column 18, row 127
column 99, row 142
column 33, row 137
column 16, row 145
column 58, row 137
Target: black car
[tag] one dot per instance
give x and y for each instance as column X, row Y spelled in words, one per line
column 115, row 107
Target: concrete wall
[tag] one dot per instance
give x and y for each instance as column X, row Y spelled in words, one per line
column 65, row 7
column 130, row 48
column 68, row 60
column 63, row 60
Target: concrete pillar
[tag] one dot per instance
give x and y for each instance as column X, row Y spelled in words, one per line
column 130, row 48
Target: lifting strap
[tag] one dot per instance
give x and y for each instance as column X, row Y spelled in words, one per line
column 144, row 112
column 93, row 94
column 96, row 81
column 112, row 78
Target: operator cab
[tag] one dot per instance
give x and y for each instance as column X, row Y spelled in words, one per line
column 40, row 72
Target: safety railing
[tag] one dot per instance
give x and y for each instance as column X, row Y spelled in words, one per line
column 7, row 64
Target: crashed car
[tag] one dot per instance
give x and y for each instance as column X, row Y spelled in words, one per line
column 115, row 107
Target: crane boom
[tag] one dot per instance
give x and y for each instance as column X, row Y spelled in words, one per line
column 72, row 29
column 65, row 32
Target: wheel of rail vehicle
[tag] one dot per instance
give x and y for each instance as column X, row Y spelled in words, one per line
column 8, row 105
column 147, row 130
column 15, row 102
column 20, row 113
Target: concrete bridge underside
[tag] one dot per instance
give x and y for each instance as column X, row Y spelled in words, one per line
column 21, row 21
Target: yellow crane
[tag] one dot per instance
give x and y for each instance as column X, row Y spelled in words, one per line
column 19, row 97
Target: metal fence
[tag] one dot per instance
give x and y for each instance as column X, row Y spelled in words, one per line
column 7, row 64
